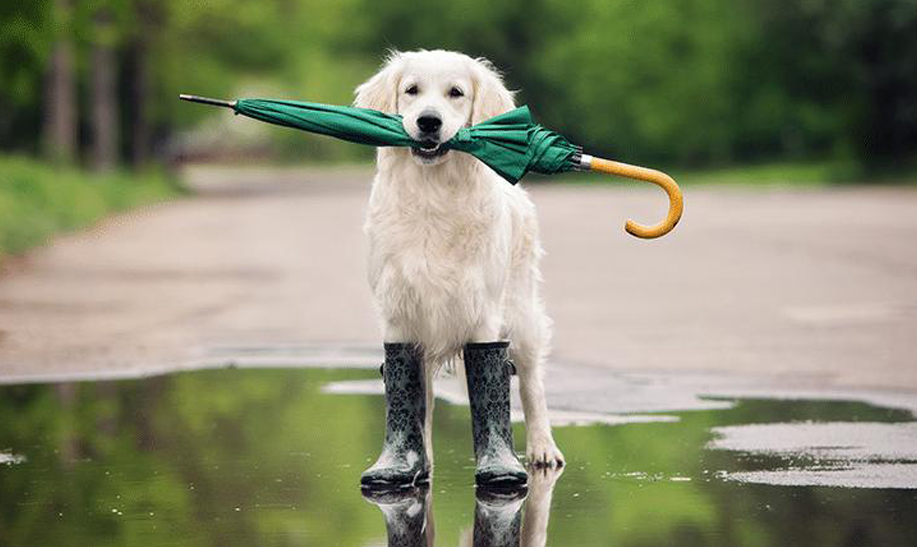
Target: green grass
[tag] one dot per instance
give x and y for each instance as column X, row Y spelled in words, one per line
column 38, row 200
column 775, row 174
column 795, row 174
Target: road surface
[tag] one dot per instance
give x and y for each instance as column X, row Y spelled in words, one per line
column 813, row 288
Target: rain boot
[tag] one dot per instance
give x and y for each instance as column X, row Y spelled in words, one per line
column 487, row 369
column 403, row 460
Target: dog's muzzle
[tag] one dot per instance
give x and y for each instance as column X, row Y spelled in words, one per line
column 430, row 124
column 429, row 150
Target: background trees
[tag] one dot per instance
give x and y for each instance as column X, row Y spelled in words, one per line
column 688, row 83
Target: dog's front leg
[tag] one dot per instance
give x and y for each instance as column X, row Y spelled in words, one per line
column 403, row 457
column 393, row 331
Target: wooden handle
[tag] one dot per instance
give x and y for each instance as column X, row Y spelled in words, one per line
column 676, row 201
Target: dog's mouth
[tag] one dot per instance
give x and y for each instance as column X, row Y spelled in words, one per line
column 429, row 150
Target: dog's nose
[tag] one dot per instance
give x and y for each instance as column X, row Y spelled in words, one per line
column 429, row 122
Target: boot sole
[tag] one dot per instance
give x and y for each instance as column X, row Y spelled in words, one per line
column 395, row 484
column 393, row 495
column 502, row 482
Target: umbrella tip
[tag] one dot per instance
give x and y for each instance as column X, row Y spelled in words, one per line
column 207, row 100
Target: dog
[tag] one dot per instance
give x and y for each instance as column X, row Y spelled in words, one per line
column 453, row 248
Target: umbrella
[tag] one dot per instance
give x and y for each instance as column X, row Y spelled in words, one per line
column 511, row 144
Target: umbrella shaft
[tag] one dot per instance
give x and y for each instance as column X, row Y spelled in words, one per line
column 207, row 100
column 585, row 163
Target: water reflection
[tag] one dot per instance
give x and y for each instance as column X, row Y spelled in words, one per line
column 498, row 514
column 263, row 457
column 408, row 515
column 497, row 518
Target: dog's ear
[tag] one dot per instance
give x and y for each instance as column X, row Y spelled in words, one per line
column 491, row 97
column 381, row 91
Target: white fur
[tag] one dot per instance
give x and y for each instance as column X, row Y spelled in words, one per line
column 453, row 248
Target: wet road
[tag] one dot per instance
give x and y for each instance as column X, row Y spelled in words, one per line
column 273, row 457
column 748, row 380
column 809, row 289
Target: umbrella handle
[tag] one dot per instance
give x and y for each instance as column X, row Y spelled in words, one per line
column 676, row 201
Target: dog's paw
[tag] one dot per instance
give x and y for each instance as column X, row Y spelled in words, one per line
column 540, row 451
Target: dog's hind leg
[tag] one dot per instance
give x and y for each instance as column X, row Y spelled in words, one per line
column 487, row 372
column 429, row 373
column 528, row 348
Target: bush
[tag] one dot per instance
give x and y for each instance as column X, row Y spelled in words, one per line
column 39, row 200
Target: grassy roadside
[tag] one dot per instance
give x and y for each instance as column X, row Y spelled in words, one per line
column 774, row 174
column 38, row 200
column 795, row 174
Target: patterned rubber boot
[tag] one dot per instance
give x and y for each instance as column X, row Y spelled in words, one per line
column 405, row 513
column 498, row 517
column 487, row 369
column 403, row 461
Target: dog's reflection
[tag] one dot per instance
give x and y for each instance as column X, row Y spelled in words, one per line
column 502, row 518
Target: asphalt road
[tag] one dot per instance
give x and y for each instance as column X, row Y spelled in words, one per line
column 813, row 288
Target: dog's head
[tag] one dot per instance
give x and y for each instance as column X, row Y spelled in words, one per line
column 436, row 93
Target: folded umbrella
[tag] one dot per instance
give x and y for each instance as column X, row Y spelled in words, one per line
column 511, row 144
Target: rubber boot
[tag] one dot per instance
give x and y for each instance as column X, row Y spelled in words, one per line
column 405, row 513
column 403, row 460
column 487, row 369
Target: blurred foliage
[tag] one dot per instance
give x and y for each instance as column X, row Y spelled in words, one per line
column 263, row 457
column 38, row 200
column 808, row 173
column 688, row 83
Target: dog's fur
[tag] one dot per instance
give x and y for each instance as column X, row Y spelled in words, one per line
column 453, row 248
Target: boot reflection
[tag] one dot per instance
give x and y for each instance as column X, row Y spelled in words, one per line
column 407, row 512
column 516, row 517
column 498, row 517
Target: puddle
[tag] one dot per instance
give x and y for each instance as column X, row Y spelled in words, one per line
column 268, row 457
column 848, row 454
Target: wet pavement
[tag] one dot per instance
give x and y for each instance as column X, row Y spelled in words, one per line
column 813, row 287
column 748, row 380
column 273, row 457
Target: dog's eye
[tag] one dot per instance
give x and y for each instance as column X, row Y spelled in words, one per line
column 456, row 92
column 411, row 90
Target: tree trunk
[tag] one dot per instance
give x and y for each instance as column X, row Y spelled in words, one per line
column 139, row 97
column 60, row 123
column 104, row 97
column 149, row 15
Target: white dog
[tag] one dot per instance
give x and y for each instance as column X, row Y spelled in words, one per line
column 453, row 248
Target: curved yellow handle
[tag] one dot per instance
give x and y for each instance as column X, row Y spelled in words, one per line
column 676, row 201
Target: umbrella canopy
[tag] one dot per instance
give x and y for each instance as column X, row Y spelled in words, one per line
column 359, row 125
column 511, row 144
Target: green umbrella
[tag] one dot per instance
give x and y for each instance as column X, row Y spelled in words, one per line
column 511, row 144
